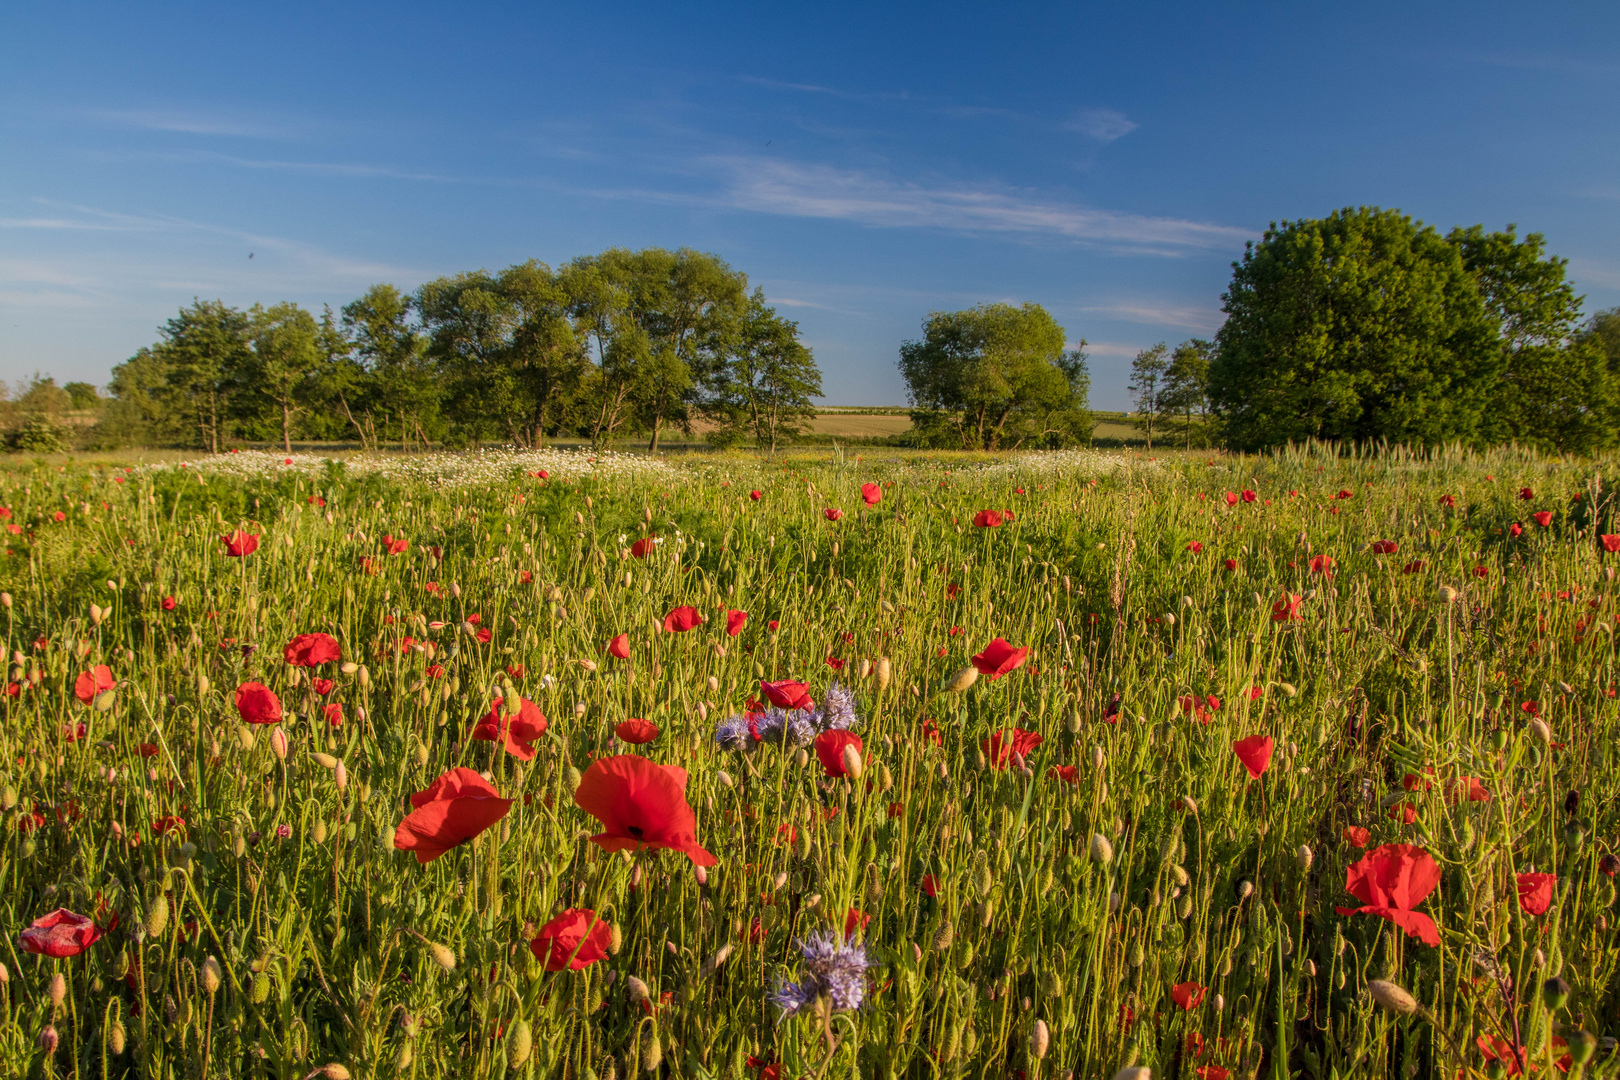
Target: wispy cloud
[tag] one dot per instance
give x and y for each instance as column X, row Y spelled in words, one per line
column 1568, row 65
column 1197, row 319
column 803, row 88
column 1104, row 125
column 360, row 170
column 195, row 123
column 820, row 191
column 1112, row 348
column 1588, row 272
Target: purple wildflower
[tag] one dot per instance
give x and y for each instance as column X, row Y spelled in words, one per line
column 832, row 969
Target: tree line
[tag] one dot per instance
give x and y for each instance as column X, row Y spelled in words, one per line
column 608, row 346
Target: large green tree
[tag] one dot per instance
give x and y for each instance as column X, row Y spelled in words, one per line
column 1555, row 388
column 204, row 351
column 388, row 386
column 1360, row 326
column 278, row 381
column 1184, row 400
column 1147, row 386
column 765, row 386
column 996, row 376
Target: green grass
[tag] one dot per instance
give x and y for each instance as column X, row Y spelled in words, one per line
column 327, row 939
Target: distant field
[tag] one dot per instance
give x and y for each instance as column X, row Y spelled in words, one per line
column 860, row 425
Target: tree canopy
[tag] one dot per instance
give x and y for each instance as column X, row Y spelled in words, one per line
column 996, row 377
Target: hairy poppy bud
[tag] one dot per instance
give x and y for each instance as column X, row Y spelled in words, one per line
column 157, row 916
column 1447, row 594
column 1392, row 997
column 724, row 778
column 211, row 974
column 1288, row 689
column 615, row 939
column 883, row 671
column 48, row 1040
column 1555, row 993
column 1039, row 1039
column 1304, row 856
column 442, row 956
column 519, row 1043
column 333, row 1071
column 278, row 743
column 1098, row 759
column 962, row 680
column 652, row 1051
column 340, row 776
column 1134, row 1072
column 5, row 599
column 1101, row 850
column 852, row 762
column 1540, row 730
column 57, row 991
column 116, row 1038
column 325, row 761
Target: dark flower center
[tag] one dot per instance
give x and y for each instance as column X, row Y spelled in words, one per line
column 635, row 831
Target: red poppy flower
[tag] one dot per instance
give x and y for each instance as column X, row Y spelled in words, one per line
column 333, row 714
column 1526, row 494
column 773, row 626
column 239, row 543
column 871, row 494
column 1231, row 498
column 395, row 545
column 1230, row 564
column 1542, row 518
column 1356, row 836
column 754, row 495
column 1286, row 609
column 1188, row 995
column 1405, row 813
column 1321, row 564
column 1069, row 774
column 1530, row 708
column 640, row 804
column 1255, row 753
column 643, row 547
column 855, row 919
column 1481, row 572
column 1345, row 493
column 1611, row 542
column 1249, row 496
column 930, row 731
column 786, row 694
column 1414, row 567
column 1000, row 747
column 1467, row 789
column 450, row 811
column 60, row 934
column 1392, row 880
column 256, row 703
column 930, row 885
column 1194, row 546
column 830, row 749
column 832, row 513
column 636, row 731
column 93, row 682
column 998, row 658
column 735, row 621
column 518, row 733
column 682, row 619
column 308, row 650
column 620, row 647
column 575, row 940
column 1536, row 892
column 1384, row 547
column 988, row 519
column 322, row 686
column 169, row 603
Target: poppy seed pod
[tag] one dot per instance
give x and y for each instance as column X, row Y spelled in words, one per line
column 1392, row 997
column 962, row 680
column 1555, row 993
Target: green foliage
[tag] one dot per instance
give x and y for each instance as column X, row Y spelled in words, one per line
column 83, row 395
column 257, row 921
column 1147, row 386
column 1364, row 325
column 765, row 391
column 1184, row 400
column 994, row 377
column 37, row 434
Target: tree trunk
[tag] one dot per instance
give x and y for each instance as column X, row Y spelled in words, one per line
column 286, row 427
column 658, row 418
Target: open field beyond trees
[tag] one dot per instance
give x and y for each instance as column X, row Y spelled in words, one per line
column 540, row 764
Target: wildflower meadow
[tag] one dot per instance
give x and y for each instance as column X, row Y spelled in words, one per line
column 540, row 764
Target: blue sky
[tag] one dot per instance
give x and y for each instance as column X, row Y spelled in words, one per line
column 863, row 163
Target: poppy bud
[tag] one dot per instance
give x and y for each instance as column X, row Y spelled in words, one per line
column 1540, row 730
column 1101, row 850
column 962, row 680
column 364, row 676
column 1039, row 1039
column 1304, row 856
column 157, row 916
column 442, row 956
column 104, row 701
column 1220, row 1002
column 1582, row 1046
column 852, row 762
column 1134, row 1072
column 780, row 880
column 866, row 668
column 700, row 874
column 325, row 761
column 96, row 614
column 1310, row 969
column 571, row 778
column 349, row 667
column 202, row 685
column 1188, row 804
column 713, row 962
column 278, row 743
column 5, row 599
column 1098, row 759
column 1555, row 993
column 5, row 975
column 615, row 939
column 883, row 671
column 340, row 776
column 1392, row 997
column 332, row 1071
column 115, row 1038
column 1245, row 889
column 57, row 990
column 48, row 1040
column 652, row 1051
column 519, row 1043
column 211, row 975
column 1447, row 594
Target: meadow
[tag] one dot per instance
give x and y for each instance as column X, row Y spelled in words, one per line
column 1063, row 765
